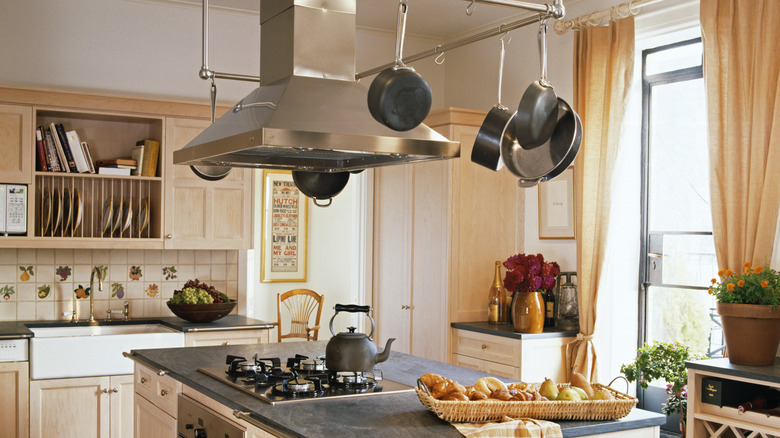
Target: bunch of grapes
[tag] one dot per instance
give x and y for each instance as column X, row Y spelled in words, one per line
column 195, row 292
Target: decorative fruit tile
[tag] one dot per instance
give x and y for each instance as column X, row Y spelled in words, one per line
column 62, row 272
column 117, row 290
column 7, row 291
column 152, row 290
column 27, row 273
column 169, row 272
column 44, row 291
column 135, row 273
column 82, row 292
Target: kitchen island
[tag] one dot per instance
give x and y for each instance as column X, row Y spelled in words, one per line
column 382, row 415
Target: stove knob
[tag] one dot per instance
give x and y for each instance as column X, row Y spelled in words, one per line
column 200, row 433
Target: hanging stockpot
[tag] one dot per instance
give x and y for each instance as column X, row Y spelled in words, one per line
column 537, row 112
column 399, row 97
column 493, row 133
column 549, row 160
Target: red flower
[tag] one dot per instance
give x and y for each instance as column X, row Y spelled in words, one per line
column 528, row 273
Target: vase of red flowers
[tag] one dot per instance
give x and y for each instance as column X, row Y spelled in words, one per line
column 529, row 276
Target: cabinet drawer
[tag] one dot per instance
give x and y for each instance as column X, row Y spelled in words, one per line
column 487, row 347
column 162, row 391
column 227, row 337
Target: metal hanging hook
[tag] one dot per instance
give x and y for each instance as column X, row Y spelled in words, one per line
column 440, row 57
column 470, row 8
column 213, row 99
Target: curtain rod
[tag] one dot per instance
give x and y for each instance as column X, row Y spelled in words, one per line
column 594, row 19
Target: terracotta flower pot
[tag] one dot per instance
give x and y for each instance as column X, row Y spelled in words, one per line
column 752, row 332
column 528, row 312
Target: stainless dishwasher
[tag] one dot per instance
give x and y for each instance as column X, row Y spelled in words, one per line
column 197, row 421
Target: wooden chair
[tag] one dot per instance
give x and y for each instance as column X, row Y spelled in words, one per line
column 300, row 304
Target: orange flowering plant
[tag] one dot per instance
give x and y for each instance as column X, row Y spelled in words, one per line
column 759, row 285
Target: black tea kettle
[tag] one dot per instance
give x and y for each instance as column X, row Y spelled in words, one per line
column 350, row 351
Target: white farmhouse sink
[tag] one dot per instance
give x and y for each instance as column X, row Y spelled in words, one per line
column 80, row 351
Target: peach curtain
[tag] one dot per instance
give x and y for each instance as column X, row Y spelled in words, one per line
column 741, row 73
column 603, row 66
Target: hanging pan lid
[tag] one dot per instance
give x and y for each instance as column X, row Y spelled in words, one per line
column 549, row 160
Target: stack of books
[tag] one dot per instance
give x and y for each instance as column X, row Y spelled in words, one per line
column 146, row 153
column 117, row 166
column 62, row 151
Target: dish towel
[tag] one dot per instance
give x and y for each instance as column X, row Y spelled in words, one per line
column 510, row 428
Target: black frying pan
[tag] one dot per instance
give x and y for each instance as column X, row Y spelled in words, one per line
column 492, row 133
column 399, row 97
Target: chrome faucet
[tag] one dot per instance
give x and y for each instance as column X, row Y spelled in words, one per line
column 101, row 274
column 124, row 312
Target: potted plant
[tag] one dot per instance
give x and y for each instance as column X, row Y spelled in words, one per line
column 527, row 276
column 748, row 307
column 662, row 360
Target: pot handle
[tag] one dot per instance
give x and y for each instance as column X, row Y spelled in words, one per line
column 330, row 200
column 525, row 183
column 399, row 33
column 353, row 308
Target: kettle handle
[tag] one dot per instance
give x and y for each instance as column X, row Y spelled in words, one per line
column 353, row 308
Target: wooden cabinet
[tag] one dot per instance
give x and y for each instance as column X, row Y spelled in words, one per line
column 14, row 403
column 706, row 420
column 156, row 403
column 179, row 210
column 226, row 337
column 203, row 214
column 82, row 407
column 439, row 228
column 527, row 360
column 16, row 131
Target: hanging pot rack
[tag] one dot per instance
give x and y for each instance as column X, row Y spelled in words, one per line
column 555, row 10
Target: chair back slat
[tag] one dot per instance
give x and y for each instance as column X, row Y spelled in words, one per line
column 299, row 305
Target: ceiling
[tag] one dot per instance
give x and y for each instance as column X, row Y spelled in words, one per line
column 439, row 19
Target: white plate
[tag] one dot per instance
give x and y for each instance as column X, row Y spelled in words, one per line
column 56, row 212
column 45, row 210
column 105, row 220
column 117, row 218
column 127, row 215
column 78, row 207
column 66, row 211
column 143, row 217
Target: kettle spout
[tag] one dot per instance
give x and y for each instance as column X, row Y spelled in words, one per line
column 381, row 357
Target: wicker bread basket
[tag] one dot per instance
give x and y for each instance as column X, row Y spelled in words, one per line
column 491, row 410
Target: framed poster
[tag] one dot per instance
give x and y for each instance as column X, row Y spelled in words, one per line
column 556, row 207
column 285, row 229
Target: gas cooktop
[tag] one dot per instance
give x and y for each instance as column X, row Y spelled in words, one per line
column 302, row 379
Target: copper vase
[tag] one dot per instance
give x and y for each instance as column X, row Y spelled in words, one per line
column 528, row 312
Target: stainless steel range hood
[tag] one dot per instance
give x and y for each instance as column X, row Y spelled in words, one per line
column 309, row 113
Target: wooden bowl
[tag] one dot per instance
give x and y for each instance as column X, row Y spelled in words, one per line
column 202, row 312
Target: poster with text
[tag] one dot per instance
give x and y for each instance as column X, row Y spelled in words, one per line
column 284, row 229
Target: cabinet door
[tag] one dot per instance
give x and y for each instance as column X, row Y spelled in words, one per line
column 202, row 214
column 121, row 405
column 16, row 144
column 70, row 408
column 152, row 422
column 14, row 407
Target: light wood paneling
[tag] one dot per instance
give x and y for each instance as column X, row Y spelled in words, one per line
column 230, row 337
column 122, row 400
column 16, row 145
column 73, row 408
column 151, row 422
column 14, row 402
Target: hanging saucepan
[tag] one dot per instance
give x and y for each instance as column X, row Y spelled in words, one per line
column 547, row 161
column 492, row 133
column 537, row 111
column 320, row 186
column 399, row 97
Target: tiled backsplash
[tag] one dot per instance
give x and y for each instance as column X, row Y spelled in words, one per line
column 40, row 284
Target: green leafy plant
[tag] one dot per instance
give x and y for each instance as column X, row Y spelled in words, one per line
column 759, row 285
column 663, row 360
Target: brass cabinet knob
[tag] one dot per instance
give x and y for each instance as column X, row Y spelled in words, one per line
column 484, row 346
column 163, row 393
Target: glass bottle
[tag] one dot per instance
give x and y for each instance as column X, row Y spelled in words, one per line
column 497, row 299
column 549, row 308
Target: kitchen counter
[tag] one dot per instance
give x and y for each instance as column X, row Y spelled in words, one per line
column 387, row 415
column 19, row 329
column 723, row 366
column 505, row 330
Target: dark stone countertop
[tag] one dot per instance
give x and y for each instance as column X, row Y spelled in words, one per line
column 769, row 373
column 20, row 329
column 387, row 415
column 505, row 330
